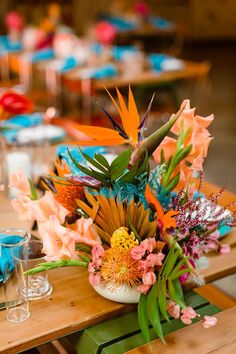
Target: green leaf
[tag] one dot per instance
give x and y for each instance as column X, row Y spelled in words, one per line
column 84, row 258
column 181, row 272
column 175, row 293
column 183, row 153
column 162, row 157
column 34, row 195
column 57, row 264
column 173, row 182
column 178, row 265
column 143, row 317
column 82, row 247
column 102, row 160
column 122, row 160
column 167, row 266
column 134, row 230
column 172, row 262
column 162, row 300
column 90, row 172
column 94, row 163
column 154, row 315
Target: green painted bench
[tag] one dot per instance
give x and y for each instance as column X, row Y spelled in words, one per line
column 122, row 333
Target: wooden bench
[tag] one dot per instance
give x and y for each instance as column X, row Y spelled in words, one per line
column 220, row 339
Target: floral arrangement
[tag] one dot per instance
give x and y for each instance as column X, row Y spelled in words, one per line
column 131, row 225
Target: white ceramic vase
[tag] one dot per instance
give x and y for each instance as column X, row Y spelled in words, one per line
column 123, row 294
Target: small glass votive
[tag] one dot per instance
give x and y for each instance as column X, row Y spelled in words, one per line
column 38, row 285
column 13, row 246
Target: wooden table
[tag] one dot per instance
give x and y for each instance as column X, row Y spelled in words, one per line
column 74, row 305
column 191, row 70
column 195, row 339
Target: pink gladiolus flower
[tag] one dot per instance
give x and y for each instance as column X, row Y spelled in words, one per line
column 97, row 251
column 94, row 279
column 173, row 309
column 209, row 321
column 86, row 231
column 155, row 259
column 199, row 138
column 143, row 288
column 149, row 244
column 47, row 206
column 224, row 249
column 137, row 252
column 149, row 278
column 58, row 241
column 22, row 207
column 187, row 315
column 94, row 265
column 20, row 181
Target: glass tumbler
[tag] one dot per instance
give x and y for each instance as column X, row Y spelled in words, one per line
column 13, row 248
column 38, row 285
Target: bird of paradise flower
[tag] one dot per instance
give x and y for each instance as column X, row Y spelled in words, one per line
column 131, row 131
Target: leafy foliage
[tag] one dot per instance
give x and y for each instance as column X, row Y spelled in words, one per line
column 119, row 170
column 153, row 305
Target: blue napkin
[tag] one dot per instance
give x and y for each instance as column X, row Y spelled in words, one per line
column 160, row 22
column 102, row 72
column 96, row 48
column 121, row 23
column 157, row 60
column 9, row 47
column 21, row 121
column 6, row 260
column 68, row 64
column 41, row 55
column 119, row 52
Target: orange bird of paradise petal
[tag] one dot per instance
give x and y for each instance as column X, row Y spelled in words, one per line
column 167, row 219
column 128, row 133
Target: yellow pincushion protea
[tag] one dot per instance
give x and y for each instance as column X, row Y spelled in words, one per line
column 122, row 239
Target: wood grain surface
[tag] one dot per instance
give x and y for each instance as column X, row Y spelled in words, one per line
column 195, row 339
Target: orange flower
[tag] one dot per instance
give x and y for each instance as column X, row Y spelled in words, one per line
column 118, row 267
column 65, row 191
column 167, row 219
column 128, row 133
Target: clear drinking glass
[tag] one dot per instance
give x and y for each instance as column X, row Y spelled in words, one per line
column 38, row 285
column 13, row 248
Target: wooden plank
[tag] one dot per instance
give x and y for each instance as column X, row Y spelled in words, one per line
column 216, row 296
column 136, row 340
column 197, row 340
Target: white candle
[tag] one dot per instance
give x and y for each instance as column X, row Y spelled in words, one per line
column 18, row 161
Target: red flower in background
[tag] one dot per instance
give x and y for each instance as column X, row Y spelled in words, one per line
column 141, row 8
column 15, row 103
column 14, row 21
column 105, row 32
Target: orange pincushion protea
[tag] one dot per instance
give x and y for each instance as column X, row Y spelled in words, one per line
column 119, row 268
column 66, row 192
